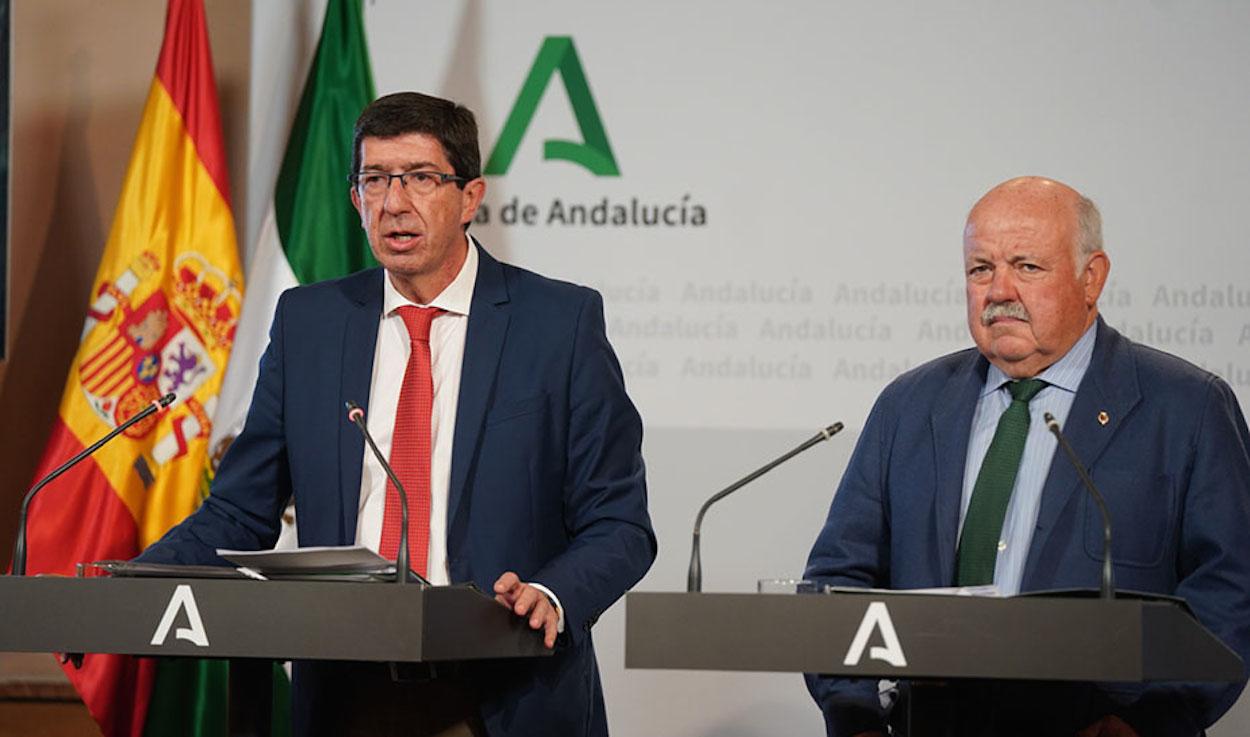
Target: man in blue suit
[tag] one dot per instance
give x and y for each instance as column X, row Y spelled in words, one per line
column 526, row 453
column 939, row 494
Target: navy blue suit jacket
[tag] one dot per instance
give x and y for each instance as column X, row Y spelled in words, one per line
column 547, row 477
column 1172, row 460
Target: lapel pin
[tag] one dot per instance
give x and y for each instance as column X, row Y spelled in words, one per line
column 1103, row 418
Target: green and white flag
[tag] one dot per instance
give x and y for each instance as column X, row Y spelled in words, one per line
column 311, row 231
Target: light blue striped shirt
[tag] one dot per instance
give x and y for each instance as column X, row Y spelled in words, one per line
column 1063, row 378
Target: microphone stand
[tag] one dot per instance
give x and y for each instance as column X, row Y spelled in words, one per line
column 356, row 416
column 19, row 546
column 694, row 578
column 1108, row 586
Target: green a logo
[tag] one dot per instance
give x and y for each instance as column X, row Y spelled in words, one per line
column 557, row 55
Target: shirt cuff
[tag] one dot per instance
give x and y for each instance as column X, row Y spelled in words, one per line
column 554, row 600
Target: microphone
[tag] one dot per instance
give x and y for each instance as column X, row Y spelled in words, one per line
column 694, row 579
column 356, row 416
column 19, row 546
column 1108, row 585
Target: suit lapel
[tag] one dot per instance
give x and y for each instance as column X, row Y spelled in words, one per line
column 488, row 326
column 951, row 423
column 359, row 343
column 1110, row 386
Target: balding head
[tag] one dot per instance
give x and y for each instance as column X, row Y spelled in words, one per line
column 1062, row 201
column 1034, row 267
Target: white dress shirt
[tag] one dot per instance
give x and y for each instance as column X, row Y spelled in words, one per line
column 390, row 360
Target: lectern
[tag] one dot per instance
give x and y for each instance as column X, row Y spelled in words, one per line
column 896, row 635
column 259, row 621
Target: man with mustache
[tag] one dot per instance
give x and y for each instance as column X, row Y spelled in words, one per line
column 503, row 410
column 955, row 480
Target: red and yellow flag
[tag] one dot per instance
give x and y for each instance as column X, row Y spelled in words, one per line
column 161, row 319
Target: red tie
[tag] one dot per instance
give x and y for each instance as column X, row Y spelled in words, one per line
column 410, row 445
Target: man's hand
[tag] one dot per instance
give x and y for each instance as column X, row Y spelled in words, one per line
column 525, row 600
column 1108, row 726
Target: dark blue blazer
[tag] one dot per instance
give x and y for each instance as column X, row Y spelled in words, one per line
column 1172, row 460
column 547, row 477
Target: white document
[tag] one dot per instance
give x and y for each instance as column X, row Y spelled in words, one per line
column 345, row 559
column 989, row 590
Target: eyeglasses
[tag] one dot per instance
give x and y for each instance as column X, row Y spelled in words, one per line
column 415, row 183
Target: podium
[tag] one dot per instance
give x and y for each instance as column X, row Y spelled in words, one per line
column 897, row 635
column 254, row 622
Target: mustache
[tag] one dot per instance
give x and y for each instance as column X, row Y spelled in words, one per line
column 1014, row 310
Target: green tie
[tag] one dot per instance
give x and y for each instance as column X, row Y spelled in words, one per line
column 978, row 545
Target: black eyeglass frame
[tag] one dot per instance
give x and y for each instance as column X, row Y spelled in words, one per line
column 443, row 178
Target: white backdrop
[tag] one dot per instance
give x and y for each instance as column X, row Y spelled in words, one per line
column 833, row 149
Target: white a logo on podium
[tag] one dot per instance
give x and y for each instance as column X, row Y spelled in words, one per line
column 183, row 600
column 876, row 618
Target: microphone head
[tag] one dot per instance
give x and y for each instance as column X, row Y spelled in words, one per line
column 168, row 399
column 354, row 412
column 1051, row 422
column 828, row 432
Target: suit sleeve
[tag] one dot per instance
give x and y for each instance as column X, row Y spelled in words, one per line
column 253, row 482
column 612, row 543
column 853, row 549
column 1213, row 567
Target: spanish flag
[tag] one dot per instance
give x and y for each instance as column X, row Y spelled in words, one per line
column 162, row 318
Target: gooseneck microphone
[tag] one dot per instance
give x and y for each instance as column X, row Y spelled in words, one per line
column 694, row 579
column 19, row 546
column 356, row 416
column 1108, row 585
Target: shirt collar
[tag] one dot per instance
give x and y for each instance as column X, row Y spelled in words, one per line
column 455, row 298
column 1066, row 373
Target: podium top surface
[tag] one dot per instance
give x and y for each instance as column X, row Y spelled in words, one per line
column 222, row 618
column 901, row 635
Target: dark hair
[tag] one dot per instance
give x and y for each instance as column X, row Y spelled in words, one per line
column 452, row 125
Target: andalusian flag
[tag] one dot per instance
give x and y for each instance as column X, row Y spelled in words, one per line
column 162, row 318
column 311, row 232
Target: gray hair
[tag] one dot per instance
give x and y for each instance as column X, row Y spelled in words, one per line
column 1088, row 230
